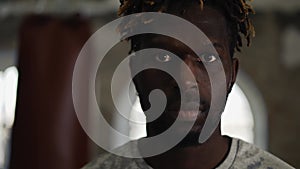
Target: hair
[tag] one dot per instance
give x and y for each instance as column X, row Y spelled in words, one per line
column 236, row 13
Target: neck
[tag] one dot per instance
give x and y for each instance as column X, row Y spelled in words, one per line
column 201, row 156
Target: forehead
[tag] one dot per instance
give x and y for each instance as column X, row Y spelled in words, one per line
column 209, row 20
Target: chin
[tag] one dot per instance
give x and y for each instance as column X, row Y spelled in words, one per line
column 167, row 119
column 191, row 139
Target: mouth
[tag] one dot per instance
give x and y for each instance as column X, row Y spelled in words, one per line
column 189, row 112
column 189, row 116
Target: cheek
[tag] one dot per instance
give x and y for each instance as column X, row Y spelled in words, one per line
column 149, row 80
column 228, row 73
column 203, row 78
column 213, row 73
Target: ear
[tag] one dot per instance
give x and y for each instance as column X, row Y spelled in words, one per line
column 234, row 71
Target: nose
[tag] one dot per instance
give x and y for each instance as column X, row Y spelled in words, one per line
column 187, row 73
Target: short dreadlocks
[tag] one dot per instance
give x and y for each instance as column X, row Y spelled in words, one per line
column 236, row 12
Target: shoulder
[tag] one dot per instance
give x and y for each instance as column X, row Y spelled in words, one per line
column 109, row 160
column 251, row 157
column 106, row 160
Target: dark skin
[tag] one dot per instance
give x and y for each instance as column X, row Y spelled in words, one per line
column 188, row 154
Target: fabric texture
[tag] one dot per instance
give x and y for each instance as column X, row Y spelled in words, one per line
column 241, row 155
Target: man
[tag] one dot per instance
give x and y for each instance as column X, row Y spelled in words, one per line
column 223, row 22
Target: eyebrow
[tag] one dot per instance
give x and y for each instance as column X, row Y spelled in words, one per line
column 217, row 45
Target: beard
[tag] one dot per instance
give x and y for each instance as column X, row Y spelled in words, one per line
column 188, row 131
column 191, row 139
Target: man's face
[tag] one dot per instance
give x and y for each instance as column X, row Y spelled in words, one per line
column 213, row 24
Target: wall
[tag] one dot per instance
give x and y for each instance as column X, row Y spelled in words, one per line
column 272, row 64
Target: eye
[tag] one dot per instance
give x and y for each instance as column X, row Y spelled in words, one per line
column 163, row 58
column 208, row 57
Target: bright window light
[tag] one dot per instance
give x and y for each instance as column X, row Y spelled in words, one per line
column 8, row 94
column 10, row 82
column 237, row 119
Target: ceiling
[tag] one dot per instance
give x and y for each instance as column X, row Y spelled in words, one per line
column 279, row 5
column 98, row 7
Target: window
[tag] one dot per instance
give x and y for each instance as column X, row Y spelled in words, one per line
column 8, row 93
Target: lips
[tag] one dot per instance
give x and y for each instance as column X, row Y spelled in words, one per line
column 190, row 111
column 188, row 115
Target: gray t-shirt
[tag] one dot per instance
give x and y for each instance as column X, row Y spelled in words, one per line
column 241, row 155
